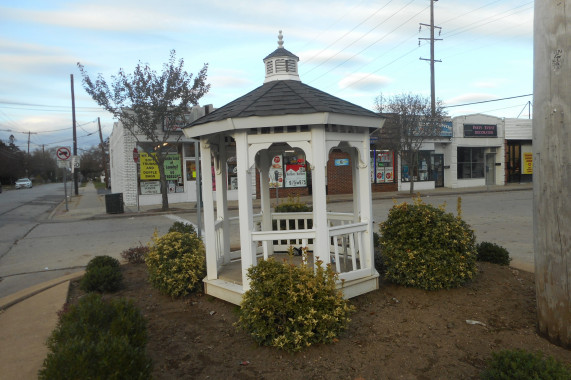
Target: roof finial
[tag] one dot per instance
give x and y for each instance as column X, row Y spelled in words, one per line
column 280, row 40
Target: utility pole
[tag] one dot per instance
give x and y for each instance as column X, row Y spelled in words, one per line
column 76, row 185
column 552, row 169
column 103, row 155
column 431, row 59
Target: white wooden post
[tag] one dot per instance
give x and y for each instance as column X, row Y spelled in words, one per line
column 320, row 156
column 248, row 251
column 265, row 161
column 209, row 231
column 366, row 204
column 222, row 199
column 356, row 200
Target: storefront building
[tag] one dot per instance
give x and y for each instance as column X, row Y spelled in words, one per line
column 135, row 174
column 475, row 156
column 518, row 148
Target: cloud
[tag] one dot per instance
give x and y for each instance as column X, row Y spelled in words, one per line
column 364, row 81
column 469, row 98
column 229, row 79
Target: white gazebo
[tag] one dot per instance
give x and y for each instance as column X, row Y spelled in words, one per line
column 285, row 114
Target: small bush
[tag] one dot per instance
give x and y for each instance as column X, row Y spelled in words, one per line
column 493, row 253
column 96, row 339
column 102, row 274
column 176, row 263
column 291, row 307
column 135, row 255
column 293, row 204
column 185, row 228
column 523, row 365
column 427, row 248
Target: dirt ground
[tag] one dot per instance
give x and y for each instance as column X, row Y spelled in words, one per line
column 396, row 333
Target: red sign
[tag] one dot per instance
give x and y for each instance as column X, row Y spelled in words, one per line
column 135, row 155
column 63, row 153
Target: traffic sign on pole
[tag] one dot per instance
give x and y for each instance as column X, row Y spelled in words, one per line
column 63, row 153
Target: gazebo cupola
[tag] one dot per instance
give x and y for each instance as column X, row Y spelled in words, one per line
column 281, row 64
column 282, row 116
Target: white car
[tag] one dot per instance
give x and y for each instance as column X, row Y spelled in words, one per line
column 23, row 183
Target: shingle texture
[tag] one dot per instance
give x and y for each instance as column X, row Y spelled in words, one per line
column 283, row 97
column 281, row 52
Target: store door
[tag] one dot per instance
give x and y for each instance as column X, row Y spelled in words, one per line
column 490, row 169
column 438, row 170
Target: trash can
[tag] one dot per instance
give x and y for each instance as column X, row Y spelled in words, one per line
column 114, row 203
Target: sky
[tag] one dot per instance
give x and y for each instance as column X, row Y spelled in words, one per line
column 355, row 50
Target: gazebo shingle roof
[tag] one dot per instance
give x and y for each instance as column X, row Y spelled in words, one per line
column 283, row 97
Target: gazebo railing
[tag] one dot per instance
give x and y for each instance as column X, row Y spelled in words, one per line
column 295, row 229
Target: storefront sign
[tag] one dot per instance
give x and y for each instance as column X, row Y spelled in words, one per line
column 149, row 169
column 341, row 162
column 527, row 163
column 480, row 130
column 276, row 172
column 150, row 187
column 173, row 170
column 295, row 176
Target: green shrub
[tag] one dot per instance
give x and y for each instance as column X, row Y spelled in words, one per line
column 102, row 274
column 293, row 204
column 185, row 228
column 493, row 253
column 135, row 255
column 103, row 261
column 291, row 307
column 523, row 365
column 427, row 248
column 96, row 339
column 176, row 263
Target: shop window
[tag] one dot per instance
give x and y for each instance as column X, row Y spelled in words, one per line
column 382, row 166
column 288, row 170
column 470, row 163
column 421, row 169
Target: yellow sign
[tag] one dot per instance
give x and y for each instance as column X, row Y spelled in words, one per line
column 149, row 169
column 527, row 163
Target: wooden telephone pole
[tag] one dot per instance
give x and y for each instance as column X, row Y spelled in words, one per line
column 431, row 59
column 552, row 169
column 103, row 155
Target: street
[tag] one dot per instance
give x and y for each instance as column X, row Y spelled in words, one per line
column 34, row 249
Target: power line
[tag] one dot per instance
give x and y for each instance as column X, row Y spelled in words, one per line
column 487, row 101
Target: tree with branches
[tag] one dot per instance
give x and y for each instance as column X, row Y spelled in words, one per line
column 410, row 123
column 148, row 105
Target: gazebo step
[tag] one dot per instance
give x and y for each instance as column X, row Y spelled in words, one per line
column 359, row 286
column 224, row 290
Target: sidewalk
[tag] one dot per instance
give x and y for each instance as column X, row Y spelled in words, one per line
column 27, row 318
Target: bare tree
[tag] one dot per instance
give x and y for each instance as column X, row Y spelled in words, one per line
column 148, row 105
column 410, row 122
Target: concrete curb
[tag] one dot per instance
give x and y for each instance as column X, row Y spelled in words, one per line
column 24, row 294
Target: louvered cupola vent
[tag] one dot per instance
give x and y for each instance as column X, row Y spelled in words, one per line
column 281, row 64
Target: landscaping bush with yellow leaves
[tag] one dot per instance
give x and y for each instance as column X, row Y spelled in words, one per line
column 425, row 247
column 176, row 263
column 292, row 307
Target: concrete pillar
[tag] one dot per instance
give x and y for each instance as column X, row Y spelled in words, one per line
column 552, row 169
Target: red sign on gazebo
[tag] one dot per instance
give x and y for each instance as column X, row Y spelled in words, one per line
column 135, row 155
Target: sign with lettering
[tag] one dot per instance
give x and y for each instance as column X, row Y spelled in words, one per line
column 295, row 176
column 150, row 187
column 149, row 169
column 480, row 130
column 527, row 163
column 173, row 169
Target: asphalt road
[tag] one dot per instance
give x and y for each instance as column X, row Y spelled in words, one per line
column 34, row 249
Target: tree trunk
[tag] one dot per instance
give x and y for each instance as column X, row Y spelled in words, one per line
column 552, row 169
column 164, row 187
